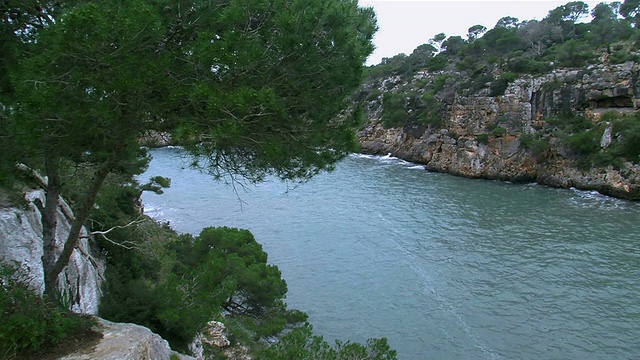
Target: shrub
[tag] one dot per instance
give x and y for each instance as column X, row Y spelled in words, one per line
column 439, row 82
column 302, row 344
column 499, row 86
column 393, row 111
column 628, row 130
column 436, row 63
column 498, row 131
column 570, row 123
column 482, row 138
column 537, row 145
column 31, row 326
column 374, row 94
column 185, row 281
column 583, row 143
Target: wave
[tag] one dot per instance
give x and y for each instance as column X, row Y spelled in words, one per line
column 389, row 159
column 590, row 198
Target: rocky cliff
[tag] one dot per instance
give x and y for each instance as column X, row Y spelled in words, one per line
column 512, row 136
column 21, row 243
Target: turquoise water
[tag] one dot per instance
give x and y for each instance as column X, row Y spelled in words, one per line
column 444, row 267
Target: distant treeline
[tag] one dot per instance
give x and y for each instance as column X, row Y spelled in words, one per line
column 529, row 46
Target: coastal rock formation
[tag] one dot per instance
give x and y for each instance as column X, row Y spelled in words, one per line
column 214, row 335
column 467, row 143
column 122, row 341
column 21, row 234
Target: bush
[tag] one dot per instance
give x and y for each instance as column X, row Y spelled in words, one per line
column 570, row 123
column 393, row 111
column 535, row 144
column 31, row 326
column 499, row 86
column 583, row 143
column 498, row 131
column 374, row 94
column 302, row 344
column 183, row 282
column 439, row 82
column 437, row 63
column 482, row 138
column 628, row 131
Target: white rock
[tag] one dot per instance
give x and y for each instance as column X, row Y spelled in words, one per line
column 21, row 242
column 122, row 341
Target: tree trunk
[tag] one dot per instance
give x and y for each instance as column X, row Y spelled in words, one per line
column 81, row 215
column 49, row 224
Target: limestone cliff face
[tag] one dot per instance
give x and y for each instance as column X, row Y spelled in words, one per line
column 466, row 144
column 21, row 243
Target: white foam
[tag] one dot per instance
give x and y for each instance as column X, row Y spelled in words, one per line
column 364, row 156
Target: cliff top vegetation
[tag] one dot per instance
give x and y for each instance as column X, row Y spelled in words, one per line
column 561, row 39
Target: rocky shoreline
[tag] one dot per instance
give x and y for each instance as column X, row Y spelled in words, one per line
column 467, row 144
column 503, row 158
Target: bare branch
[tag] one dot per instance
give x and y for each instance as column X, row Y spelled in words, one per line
column 129, row 245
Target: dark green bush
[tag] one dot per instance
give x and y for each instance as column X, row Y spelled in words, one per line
column 301, row 343
column 437, row 63
column 499, row 85
column 628, row 131
column 536, row 144
column 524, row 65
column 439, row 82
column 179, row 283
column 569, row 123
column 498, row 131
column 583, row 143
column 482, row 138
column 374, row 94
column 393, row 109
column 30, row 326
column 477, row 83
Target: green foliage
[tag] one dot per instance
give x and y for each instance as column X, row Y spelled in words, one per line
column 526, row 65
column 439, row 82
column 476, row 84
column 627, row 131
column 534, row 143
column 31, row 327
column 482, row 138
column 569, row 123
column 499, row 86
column 620, row 57
column 573, row 53
column 430, row 112
column 583, row 143
column 176, row 284
column 374, row 94
column 302, row 344
column 394, row 113
column 498, row 131
column 436, row 63
column 84, row 81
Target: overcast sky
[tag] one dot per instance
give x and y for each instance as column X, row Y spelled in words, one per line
column 405, row 24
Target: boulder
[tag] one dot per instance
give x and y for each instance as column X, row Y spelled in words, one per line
column 121, row 341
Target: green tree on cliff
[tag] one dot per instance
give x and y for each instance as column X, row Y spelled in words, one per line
column 252, row 87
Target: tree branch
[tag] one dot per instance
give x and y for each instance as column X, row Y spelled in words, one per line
column 129, row 245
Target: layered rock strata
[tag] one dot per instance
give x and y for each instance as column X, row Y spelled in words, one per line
column 465, row 145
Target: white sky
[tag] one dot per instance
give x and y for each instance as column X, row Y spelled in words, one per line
column 405, row 24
